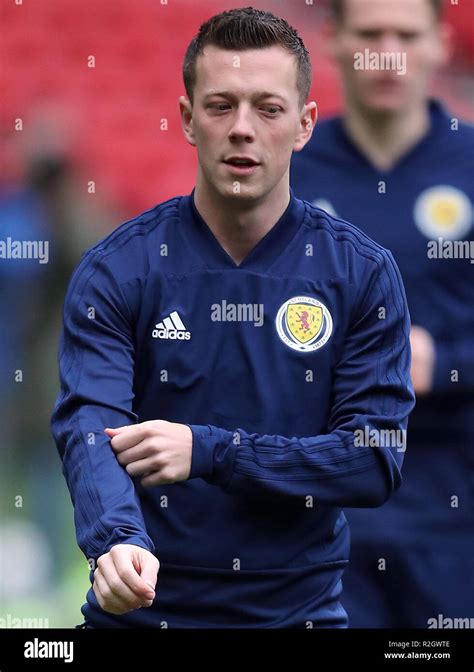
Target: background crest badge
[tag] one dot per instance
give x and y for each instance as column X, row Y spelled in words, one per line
column 304, row 323
column 443, row 211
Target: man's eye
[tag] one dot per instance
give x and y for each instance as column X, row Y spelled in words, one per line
column 272, row 110
column 219, row 107
column 408, row 36
column 368, row 34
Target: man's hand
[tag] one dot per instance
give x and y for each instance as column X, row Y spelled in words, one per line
column 422, row 359
column 125, row 579
column 159, row 451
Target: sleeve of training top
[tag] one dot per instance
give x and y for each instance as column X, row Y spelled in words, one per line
column 351, row 465
column 96, row 364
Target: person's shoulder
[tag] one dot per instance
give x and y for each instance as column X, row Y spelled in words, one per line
column 126, row 249
column 329, row 125
column 327, row 128
column 324, row 134
column 463, row 132
column 139, row 228
column 459, row 131
column 343, row 234
column 351, row 253
column 466, row 128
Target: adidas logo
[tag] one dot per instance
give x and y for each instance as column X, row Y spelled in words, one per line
column 172, row 328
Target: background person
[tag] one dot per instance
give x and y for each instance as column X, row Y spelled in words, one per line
column 400, row 167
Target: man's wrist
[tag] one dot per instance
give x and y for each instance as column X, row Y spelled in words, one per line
column 207, row 439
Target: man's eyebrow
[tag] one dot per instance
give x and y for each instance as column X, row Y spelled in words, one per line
column 269, row 94
column 258, row 95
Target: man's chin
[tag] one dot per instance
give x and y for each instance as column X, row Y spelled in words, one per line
column 240, row 190
column 385, row 104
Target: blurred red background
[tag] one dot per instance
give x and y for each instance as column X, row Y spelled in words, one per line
column 118, row 122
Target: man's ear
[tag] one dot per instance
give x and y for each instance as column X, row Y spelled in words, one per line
column 186, row 114
column 308, row 119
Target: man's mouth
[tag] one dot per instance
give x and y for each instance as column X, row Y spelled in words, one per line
column 245, row 161
column 241, row 165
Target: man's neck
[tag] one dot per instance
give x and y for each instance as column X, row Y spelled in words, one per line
column 238, row 224
column 385, row 138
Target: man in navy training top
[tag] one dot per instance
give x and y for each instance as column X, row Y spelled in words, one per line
column 236, row 345
column 400, row 167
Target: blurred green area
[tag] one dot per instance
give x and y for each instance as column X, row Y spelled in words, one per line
column 40, row 580
column 60, row 608
column 43, row 574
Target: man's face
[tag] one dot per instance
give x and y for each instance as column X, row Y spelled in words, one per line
column 406, row 28
column 246, row 103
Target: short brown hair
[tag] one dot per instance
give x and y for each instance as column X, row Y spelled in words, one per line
column 337, row 8
column 248, row 28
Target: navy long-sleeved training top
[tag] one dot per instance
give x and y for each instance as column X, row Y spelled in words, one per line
column 283, row 366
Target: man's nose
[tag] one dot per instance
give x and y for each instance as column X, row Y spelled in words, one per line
column 242, row 126
column 389, row 43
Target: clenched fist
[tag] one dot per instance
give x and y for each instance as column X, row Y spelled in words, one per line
column 125, row 579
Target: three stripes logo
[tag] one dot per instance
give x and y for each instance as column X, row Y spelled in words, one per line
column 172, row 328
